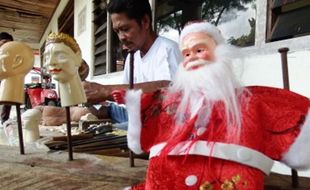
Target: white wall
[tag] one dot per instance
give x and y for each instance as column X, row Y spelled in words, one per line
column 111, row 78
column 266, row 70
column 85, row 39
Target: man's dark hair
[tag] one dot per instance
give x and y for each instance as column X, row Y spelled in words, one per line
column 6, row 36
column 135, row 9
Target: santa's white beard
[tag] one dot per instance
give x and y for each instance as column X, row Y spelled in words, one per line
column 215, row 81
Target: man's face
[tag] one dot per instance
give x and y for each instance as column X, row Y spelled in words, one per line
column 61, row 62
column 129, row 32
column 198, row 49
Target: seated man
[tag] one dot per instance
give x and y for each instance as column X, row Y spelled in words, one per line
column 155, row 59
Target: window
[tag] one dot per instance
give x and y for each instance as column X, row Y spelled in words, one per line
column 235, row 18
column 118, row 56
column 101, row 32
column 287, row 19
column 100, row 21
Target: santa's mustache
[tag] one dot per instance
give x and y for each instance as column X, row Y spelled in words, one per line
column 196, row 63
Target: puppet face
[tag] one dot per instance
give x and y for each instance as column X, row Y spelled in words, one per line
column 198, row 50
column 15, row 59
column 61, row 62
column 5, row 60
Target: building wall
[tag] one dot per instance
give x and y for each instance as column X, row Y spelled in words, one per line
column 85, row 38
column 262, row 65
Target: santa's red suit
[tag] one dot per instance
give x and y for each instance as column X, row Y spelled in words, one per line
column 274, row 127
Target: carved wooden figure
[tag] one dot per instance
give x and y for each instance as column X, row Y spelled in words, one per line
column 31, row 120
column 62, row 57
column 16, row 60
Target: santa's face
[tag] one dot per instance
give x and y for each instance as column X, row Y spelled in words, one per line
column 198, row 50
column 205, row 78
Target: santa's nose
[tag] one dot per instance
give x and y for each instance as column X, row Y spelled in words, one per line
column 192, row 57
column 189, row 58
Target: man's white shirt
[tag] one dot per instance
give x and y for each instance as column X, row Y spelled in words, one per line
column 159, row 63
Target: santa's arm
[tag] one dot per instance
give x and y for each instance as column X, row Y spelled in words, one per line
column 298, row 155
column 142, row 122
column 286, row 117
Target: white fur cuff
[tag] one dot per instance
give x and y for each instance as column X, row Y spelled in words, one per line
column 133, row 103
column 298, row 156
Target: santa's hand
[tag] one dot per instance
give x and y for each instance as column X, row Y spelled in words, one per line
column 118, row 96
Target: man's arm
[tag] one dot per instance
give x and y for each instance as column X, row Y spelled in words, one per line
column 96, row 92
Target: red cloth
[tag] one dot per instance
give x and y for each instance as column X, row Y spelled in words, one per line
column 271, row 122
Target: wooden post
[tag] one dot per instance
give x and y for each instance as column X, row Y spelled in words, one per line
column 69, row 139
column 286, row 85
column 20, row 129
column 285, row 76
column 131, row 86
column 131, row 70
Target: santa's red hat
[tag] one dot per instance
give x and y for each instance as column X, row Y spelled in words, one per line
column 203, row 26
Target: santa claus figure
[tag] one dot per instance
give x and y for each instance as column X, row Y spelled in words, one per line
column 206, row 131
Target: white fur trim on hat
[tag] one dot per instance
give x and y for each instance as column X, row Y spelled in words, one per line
column 298, row 156
column 133, row 104
column 210, row 29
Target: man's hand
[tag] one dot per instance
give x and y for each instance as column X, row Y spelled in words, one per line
column 118, row 96
column 95, row 93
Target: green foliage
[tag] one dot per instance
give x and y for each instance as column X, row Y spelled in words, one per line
column 211, row 10
column 245, row 40
column 173, row 21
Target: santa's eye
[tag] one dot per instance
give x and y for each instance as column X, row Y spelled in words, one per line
column 186, row 53
column 200, row 50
